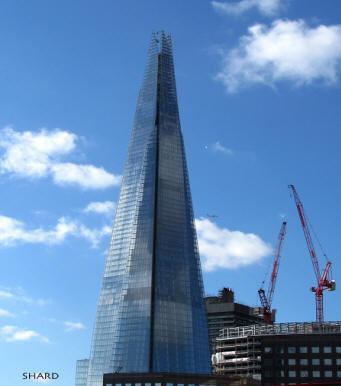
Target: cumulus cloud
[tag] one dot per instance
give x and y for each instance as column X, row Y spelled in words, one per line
column 18, row 294
column 106, row 207
column 218, row 147
column 15, row 334
column 266, row 7
column 38, row 154
column 71, row 326
column 222, row 248
column 6, row 313
column 13, row 231
column 285, row 51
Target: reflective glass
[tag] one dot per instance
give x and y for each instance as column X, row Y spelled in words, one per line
column 150, row 314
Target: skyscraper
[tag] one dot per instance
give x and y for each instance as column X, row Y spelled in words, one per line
column 151, row 314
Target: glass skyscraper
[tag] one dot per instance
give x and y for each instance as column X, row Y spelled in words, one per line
column 151, row 315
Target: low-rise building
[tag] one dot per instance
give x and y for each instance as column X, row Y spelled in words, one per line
column 283, row 353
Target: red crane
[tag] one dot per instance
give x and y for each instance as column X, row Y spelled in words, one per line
column 323, row 281
column 266, row 300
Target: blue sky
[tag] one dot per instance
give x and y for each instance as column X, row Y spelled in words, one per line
column 259, row 94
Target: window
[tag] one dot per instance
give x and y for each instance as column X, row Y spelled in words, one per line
column 316, row 374
column 156, row 384
column 327, row 361
column 303, row 361
column 108, row 384
column 304, row 373
column 315, row 349
column 280, row 373
column 291, row 350
column 328, row 374
column 338, row 361
column 267, row 349
column 327, row 349
column 303, row 349
column 268, row 362
column 129, row 384
column 280, row 349
column 292, row 373
column 338, row 349
column 338, row 374
column 291, row 362
column 268, row 373
column 137, row 384
column 315, row 361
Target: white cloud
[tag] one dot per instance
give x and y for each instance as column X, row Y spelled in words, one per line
column 217, row 146
column 106, row 207
column 86, row 176
column 285, row 51
column 37, row 154
column 6, row 295
column 266, row 7
column 5, row 313
column 222, row 248
column 14, row 334
column 71, row 326
column 18, row 294
column 13, row 231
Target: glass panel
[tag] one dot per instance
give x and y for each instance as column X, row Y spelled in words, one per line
column 327, row 361
column 338, row 374
column 291, row 362
column 315, row 361
column 291, row 350
column 303, row 349
column 338, row 361
column 304, row 373
column 315, row 349
column 316, row 373
column 291, row 373
column 267, row 349
column 303, row 361
column 327, row 349
column 338, row 349
column 328, row 374
column 280, row 349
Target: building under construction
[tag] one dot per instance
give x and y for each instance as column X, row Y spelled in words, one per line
column 223, row 312
column 283, row 353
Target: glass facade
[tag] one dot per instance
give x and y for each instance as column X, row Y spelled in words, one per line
column 150, row 315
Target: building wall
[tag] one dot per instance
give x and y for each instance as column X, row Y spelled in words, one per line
column 301, row 359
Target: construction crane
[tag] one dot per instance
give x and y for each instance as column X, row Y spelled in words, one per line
column 324, row 282
column 266, row 299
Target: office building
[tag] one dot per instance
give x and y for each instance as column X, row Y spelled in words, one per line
column 283, row 353
column 151, row 315
column 223, row 312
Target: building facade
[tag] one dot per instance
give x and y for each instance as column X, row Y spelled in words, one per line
column 223, row 312
column 151, row 314
column 281, row 354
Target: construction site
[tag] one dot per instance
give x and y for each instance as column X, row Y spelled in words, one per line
column 246, row 341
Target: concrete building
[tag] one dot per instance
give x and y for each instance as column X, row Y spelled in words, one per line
column 281, row 354
column 223, row 312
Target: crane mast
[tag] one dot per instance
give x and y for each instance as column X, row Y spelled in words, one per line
column 266, row 299
column 322, row 280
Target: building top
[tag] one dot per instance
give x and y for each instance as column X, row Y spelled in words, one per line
column 281, row 329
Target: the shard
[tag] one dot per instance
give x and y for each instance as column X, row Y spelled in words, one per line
column 150, row 315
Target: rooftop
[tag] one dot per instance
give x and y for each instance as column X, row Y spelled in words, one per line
column 281, row 329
